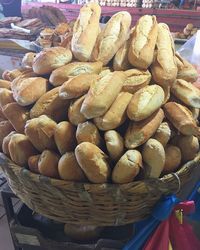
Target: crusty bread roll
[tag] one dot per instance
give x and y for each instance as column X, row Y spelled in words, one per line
column 6, row 96
column 186, row 92
column 153, row 154
column 69, row 169
column 6, row 141
column 33, row 163
column 181, row 118
column 17, row 115
column 163, row 133
column 112, row 37
column 93, row 161
column 136, row 79
column 28, row 59
column 195, row 113
column 166, row 90
column 116, row 114
column 29, row 90
column 62, row 74
column 189, row 146
column 172, row 159
column 48, row 164
column 139, row 132
column 5, row 129
column 88, row 132
column 20, row 149
column 102, row 94
column 77, row 86
column 5, row 84
column 186, row 70
column 105, row 71
column 145, row 102
column 65, row 137
column 52, row 105
column 11, row 75
column 143, row 42
column 85, row 31
column 40, row 132
column 164, row 69
column 114, row 144
column 50, row 59
column 128, row 167
column 74, row 112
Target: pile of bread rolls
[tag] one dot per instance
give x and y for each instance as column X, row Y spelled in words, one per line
column 119, row 105
column 187, row 32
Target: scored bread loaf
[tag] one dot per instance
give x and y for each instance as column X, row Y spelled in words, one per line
column 62, row 74
column 85, row 31
column 93, row 161
column 50, row 59
column 139, row 132
column 172, row 159
column 143, row 42
column 112, row 37
column 163, row 133
column 128, row 167
column 145, row 102
column 116, row 114
column 5, row 84
column 5, row 129
column 164, row 69
column 33, row 163
column 6, row 96
column 102, row 94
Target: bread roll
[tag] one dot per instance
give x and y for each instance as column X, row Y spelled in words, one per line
column 164, row 69
column 139, row 132
column 5, row 129
column 85, row 31
column 48, row 164
column 93, row 162
column 166, row 90
column 5, row 84
column 186, row 71
column 74, row 112
column 136, row 79
column 104, row 71
column 77, row 86
column 172, row 159
column 6, row 96
column 114, row 144
column 69, row 169
column 189, row 146
column 20, row 149
column 116, row 114
column 143, row 42
column 195, row 113
column 52, row 105
column 17, row 115
column 28, row 59
column 40, row 132
column 186, row 92
column 61, row 75
column 65, row 137
column 6, row 141
column 112, row 37
column 102, row 94
column 163, row 133
column 128, row 167
column 153, row 154
column 88, row 132
column 50, row 59
column 11, row 75
column 145, row 102
column 29, row 90
column 181, row 118
column 33, row 163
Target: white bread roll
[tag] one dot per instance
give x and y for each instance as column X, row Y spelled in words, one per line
column 172, row 159
column 163, row 133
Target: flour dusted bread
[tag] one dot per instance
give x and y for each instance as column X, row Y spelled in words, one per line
column 172, row 159
column 112, row 37
column 93, row 161
column 85, row 31
column 51, row 58
column 143, row 42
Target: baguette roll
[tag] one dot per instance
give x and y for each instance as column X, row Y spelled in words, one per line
column 127, row 168
column 102, row 94
column 93, row 161
column 143, row 42
column 163, row 133
column 139, row 132
column 172, row 159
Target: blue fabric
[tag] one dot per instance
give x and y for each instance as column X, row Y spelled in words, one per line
column 195, row 196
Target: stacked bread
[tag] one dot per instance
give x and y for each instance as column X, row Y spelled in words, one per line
column 187, row 32
column 119, row 105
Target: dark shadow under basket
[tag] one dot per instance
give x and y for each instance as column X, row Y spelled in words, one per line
column 93, row 204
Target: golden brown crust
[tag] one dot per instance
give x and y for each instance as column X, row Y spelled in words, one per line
column 6, row 96
column 5, row 129
column 173, row 159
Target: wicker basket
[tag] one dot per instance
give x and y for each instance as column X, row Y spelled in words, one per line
column 93, row 204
